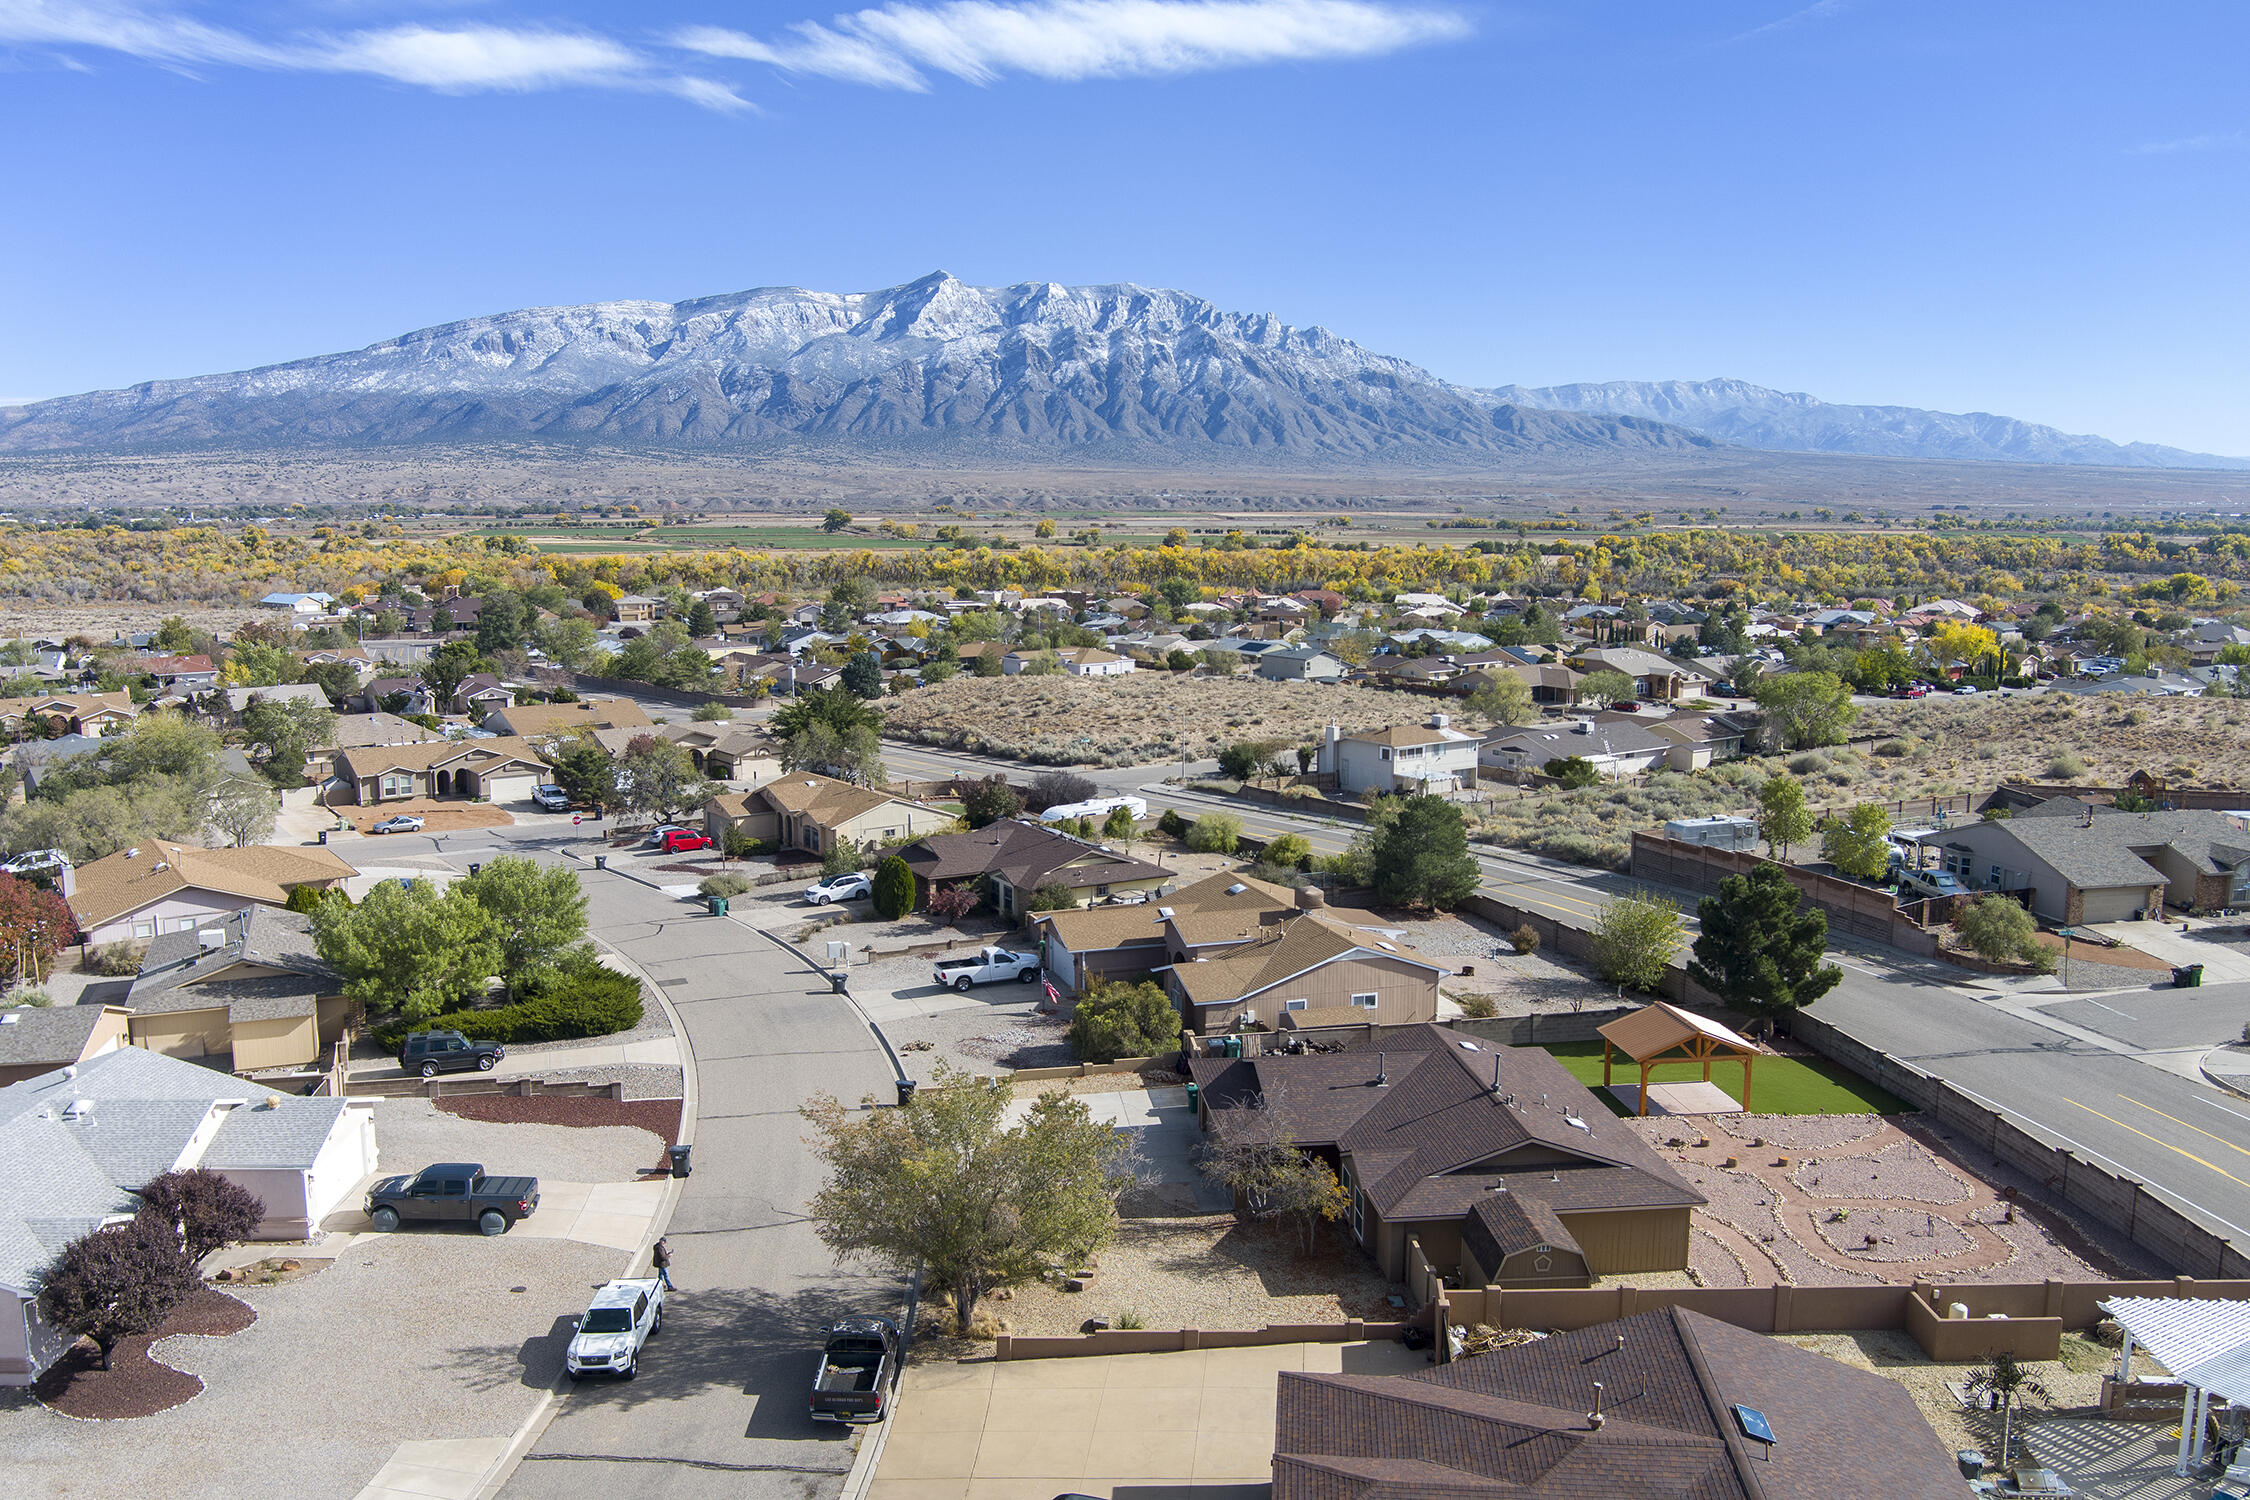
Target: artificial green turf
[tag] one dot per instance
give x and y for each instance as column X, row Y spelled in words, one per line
column 1778, row 1085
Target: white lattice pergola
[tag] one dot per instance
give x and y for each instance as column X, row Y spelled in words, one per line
column 2204, row 1342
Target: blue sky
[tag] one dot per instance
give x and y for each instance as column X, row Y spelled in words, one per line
column 2033, row 209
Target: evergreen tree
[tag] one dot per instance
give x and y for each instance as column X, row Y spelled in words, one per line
column 1758, row 951
column 894, row 889
column 1420, row 855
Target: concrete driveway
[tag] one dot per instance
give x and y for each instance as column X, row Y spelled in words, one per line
column 1163, row 1130
column 1193, row 1425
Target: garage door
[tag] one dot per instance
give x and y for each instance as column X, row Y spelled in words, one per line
column 2116, row 904
column 1058, row 959
column 509, row 788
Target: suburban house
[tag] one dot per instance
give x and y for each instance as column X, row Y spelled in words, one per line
column 240, row 993
column 1127, row 942
column 241, row 698
column 76, row 1145
column 1615, row 749
column 727, row 752
column 526, row 720
column 364, row 731
column 1298, row 971
column 158, row 886
column 479, row 694
column 1724, row 736
column 1403, row 758
column 299, row 604
column 1301, row 664
column 1078, row 661
column 1656, row 677
column 36, row 760
column 1021, row 857
column 175, row 674
column 800, row 810
column 497, row 770
column 1551, row 683
column 1515, row 1422
column 397, row 695
column 40, row 1039
column 638, row 609
column 1501, row 1165
column 81, row 713
column 2088, row 863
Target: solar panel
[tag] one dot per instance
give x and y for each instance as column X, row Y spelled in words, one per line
column 1754, row 1425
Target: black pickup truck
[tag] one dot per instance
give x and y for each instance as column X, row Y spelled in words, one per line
column 856, row 1369
column 455, row 1191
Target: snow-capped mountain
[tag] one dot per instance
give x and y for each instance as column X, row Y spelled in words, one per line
column 1750, row 416
column 1138, row 373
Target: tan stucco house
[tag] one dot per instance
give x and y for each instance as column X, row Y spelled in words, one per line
column 1304, row 970
column 497, row 770
column 159, row 886
column 810, row 812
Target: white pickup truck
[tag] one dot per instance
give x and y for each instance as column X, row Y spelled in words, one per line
column 986, row 966
column 623, row 1316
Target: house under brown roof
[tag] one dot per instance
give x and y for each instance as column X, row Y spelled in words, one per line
column 527, row 719
column 1025, row 855
column 130, row 879
column 1515, row 1424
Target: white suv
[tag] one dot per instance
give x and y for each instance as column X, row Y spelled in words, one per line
column 623, row 1316
column 840, row 888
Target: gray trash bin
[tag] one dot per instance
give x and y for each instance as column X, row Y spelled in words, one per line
column 601, row 861
column 906, row 1087
column 678, row 1155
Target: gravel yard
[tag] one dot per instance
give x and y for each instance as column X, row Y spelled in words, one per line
column 340, row 1367
column 412, row 1133
column 1210, row 1272
column 1517, row 983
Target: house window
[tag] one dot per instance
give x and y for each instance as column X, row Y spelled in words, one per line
column 144, row 927
column 1292, row 1005
column 1386, row 752
column 1364, row 1002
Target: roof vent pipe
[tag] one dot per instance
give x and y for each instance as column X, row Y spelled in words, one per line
column 1594, row 1417
column 1382, row 1077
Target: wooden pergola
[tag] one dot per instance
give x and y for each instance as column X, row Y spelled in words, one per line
column 1662, row 1033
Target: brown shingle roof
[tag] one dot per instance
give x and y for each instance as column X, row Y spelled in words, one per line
column 363, row 761
column 1025, row 855
column 561, row 718
column 826, row 801
column 1280, row 951
column 128, row 880
column 1206, row 904
column 1513, row 1423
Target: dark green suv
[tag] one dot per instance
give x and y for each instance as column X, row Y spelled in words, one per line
column 430, row 1053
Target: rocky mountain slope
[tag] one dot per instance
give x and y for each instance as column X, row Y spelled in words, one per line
column 1129, row 372
column 1751, row 416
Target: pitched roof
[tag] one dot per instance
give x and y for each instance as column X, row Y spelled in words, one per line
column 1233, row 905
column 379, row 729
column 54, row 1034
column 130, row 879
column 1409, row 734
column 825, row 800
column 363, row 761
column 74, row 704
column 1444, row 1127
column 2101, row 854
column 264, row 968
column 1281, row 952
column 561, row 718
column 1660, row 1027
column 1513, row 1423
column 1025, row 855
column 1599, row 740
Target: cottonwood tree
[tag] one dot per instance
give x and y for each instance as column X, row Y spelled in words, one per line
column 206, row 1211
column 242, row 810
column 1758, row 952
column 538, row 912
column 1634, row 938
column 943, row 1183
column 1804, row 709
column 1859, row 843
column 118, row 1282
column 1784, row 820
column 1504, row 698
column 1252, row 1150
column 409, row 947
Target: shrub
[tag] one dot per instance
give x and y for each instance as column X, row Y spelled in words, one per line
column 1215, row 833
column 711, row 713
column 1634, row 938
column 1130, row 1319
column 1172, row 823
column 1053, row 896
column 843, row 857
column 1526, row 938
column 1479, row 1007
column 948, row 904
column 1997, row 929
column 894, row 889
column 31, row 995
column 1283, row 875
column 1123, row 1020
column 1896, row 749
column 584, row 1000
column 206, row 1210
column 2066, row 767
column 990, row 801
column 1057, row 788
column 723, row 885
column 302, row 898
column 121, row 959
column 1808, row 764
column 1573, row 771
column 1291, row 851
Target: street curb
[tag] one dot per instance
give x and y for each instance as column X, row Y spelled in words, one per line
column 542, row 1416
column 898, row 1068
column 2219, row 1080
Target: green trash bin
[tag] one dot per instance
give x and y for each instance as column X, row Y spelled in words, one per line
column 1191, row 1093
column 718, row 906
column 2192, row 976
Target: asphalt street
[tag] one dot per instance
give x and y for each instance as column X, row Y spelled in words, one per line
column 719, row 1404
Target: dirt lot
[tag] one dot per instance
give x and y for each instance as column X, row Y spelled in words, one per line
column 1965, row 744
column 1136, row 719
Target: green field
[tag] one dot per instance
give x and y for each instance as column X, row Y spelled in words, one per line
column 1778, row 1085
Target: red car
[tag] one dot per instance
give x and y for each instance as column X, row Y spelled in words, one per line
column 681, row 840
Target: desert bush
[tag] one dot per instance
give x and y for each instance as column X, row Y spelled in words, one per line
column 2066, row 767
column 1291, row 851
column 31, row 995
column 120, row 959
column 583, row 999
column 1809, row 764
column 1053, row 896
column 1123, row 1020
column 894, row 889
column 1479, row 1007
column 1172, row 824
column 1997, row 928
column 722, row 885
column 1897, row 749
column 1525, row 938
column 1215, row 833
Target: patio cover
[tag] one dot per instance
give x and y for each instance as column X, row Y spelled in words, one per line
column 1665, row 1033
column 2203, row 1341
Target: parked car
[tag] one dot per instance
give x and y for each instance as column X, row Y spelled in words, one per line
column 1914, row 690
column 402, row 823
column 35, row 862
column 684, row 840
column 453, row 1191
column 623, row 1316
column 1934, row 883
column 840, row 888
column 657, row 834
column 550, row 798
column 430, row 1053
column 857, row 1363
column 986, row 966
column 1967, row 689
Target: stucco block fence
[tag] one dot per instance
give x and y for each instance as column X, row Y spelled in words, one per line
column 1172, row 1340
column 1853, row 909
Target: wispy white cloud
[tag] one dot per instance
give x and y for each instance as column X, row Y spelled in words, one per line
column 450, row 59
column 2231, row 140
column 1819, row 10
column 898, row 45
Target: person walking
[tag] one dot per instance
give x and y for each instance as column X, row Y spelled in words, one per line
column 662, row 1258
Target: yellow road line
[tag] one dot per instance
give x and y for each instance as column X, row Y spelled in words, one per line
column 2175, row 1119
column 2167, row 1145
